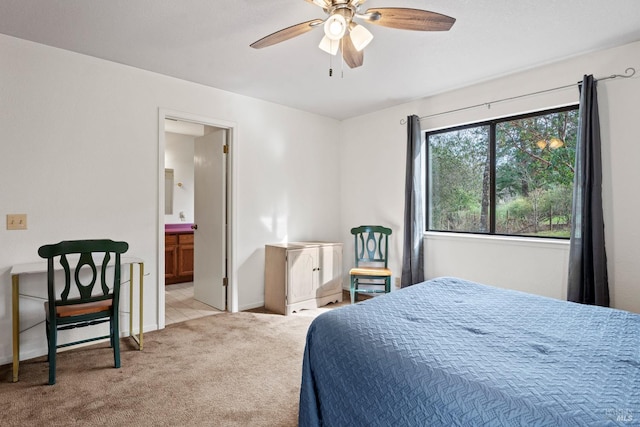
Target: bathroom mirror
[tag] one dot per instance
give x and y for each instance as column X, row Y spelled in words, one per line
column 168, row 191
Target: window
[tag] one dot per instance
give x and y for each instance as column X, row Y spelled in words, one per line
column 512, row 176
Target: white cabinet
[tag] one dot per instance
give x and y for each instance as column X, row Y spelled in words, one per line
column 302, row 275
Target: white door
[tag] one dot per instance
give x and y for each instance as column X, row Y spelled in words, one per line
column 209, row 218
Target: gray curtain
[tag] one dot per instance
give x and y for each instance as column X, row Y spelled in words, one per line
column 588, row 282
column 412, row 248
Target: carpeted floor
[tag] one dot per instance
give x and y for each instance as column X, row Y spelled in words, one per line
column 241, row 369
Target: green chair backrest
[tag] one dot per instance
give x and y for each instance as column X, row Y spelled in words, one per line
column 86, row 249
column 371, row 245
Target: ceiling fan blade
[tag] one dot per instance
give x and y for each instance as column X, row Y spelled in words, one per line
column 350, row 54
column 409, row 19
column 286, row 34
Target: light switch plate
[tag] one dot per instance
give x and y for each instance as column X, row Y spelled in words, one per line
column 16, row 221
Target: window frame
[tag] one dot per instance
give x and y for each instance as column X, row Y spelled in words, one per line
column 492, row 125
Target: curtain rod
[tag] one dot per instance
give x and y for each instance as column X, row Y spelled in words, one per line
column 629, row 72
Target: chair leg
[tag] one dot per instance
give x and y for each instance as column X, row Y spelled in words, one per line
column 352, row 289
column 115, row 340
column 47, row 330
column 111, row 332
column 52, row 340
column 387, row 285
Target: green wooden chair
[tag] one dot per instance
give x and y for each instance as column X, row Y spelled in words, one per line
column 78, row 306
column 371, row 248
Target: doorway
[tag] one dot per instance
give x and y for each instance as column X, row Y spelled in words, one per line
column 212, row 247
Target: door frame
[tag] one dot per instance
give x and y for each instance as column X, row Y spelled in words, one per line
column 232, row 289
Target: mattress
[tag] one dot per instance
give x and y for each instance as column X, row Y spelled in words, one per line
column 449, row 352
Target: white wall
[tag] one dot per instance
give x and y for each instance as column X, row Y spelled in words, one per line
column 373, row 157
column 520, row 263
column 79, row 154
column 178, row 151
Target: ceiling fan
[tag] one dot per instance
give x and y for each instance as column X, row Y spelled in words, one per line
column 342, row 32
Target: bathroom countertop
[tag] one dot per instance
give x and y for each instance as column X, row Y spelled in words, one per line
column 178, row 228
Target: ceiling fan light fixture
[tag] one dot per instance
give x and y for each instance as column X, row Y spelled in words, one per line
column 329, row 46
column 335, row 26
column 360, row 36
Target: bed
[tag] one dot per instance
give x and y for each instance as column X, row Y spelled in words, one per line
column 449, row 352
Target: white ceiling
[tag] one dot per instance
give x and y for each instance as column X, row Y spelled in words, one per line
column 207, row 41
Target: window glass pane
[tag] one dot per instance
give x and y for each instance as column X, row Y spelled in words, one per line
column 459, row 180
column 534, row 174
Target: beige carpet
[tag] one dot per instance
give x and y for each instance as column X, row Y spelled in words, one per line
column 240, row 369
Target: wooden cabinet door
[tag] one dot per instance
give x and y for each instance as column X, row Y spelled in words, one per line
column 302, row 274
column 185, row 257
column 185, row 261
column 170, row 258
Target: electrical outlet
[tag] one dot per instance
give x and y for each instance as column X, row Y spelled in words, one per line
column 398, row 282
column 16, row 221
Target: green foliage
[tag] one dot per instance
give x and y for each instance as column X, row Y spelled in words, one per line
column 565, row 233
column 520, row 208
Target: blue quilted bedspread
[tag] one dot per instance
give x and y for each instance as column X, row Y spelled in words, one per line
column 449, row 352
